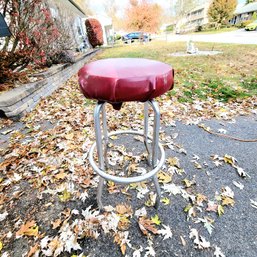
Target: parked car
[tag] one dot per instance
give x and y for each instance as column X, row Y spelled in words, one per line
column 140, row 36
column 251, row 26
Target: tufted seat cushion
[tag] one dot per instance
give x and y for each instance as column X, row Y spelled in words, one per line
column 118, row 80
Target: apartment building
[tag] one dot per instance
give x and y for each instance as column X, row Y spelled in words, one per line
column 194, row 18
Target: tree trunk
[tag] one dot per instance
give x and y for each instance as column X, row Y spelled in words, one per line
column 6, row 43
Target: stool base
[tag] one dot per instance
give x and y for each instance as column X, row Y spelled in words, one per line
column 102, row 146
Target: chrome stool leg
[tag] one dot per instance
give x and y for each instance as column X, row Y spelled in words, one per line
column 155, row 143
column 99, row 107
column 106, row 140
column 146, row 108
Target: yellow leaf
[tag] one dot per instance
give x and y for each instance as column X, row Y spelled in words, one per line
column 228, row 201
column 156, row 220
column 163, row 177
column 28, row 229
column 229, row 159
column 1, row 246
column 173, row 161
column 65, row 196
column 220, row 210
column 187, row 208
column 188, row 183
column 165, row 201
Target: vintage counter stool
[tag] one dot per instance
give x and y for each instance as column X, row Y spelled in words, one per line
column 118, row 80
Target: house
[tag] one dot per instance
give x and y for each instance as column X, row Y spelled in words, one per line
column 72, row 17
column 198, row 16
column 194, row 19
column 244, row 13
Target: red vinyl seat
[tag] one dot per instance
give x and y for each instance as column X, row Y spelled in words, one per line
column 118, row 80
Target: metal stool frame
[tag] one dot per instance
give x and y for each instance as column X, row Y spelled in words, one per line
column 102, row 146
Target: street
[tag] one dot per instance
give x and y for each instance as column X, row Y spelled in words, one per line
column 238, row 37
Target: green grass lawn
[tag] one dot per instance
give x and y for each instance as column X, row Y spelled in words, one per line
column 230, row 75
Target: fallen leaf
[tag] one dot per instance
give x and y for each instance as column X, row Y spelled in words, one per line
column 124, row 223
column 1, row 246
column 200, row 198
column 112, row 187
column 28, row 229
column 65, row 195
column 33, row 250
column 124, row 209
column 188, row 183
column 240, row 172
column 227, row 192
column 183, row 241
column 228, row 201
column 253, row 203
column 156, row 220
column 211, row 206
column 190, row 210
column 3, row 216
column 150, row 250
column 6, row 131
column 172, row 189
column 218, row 252
column 239, row 185
column 222, row 131
column 61, row 175
column 137, row 252
column 69, row 136
column 220, row 210
column 140, row 212
column 151, row 200
column 166, row 232
column 197, row 165
column 121, row 238
column 165, row 200
column 173, row 161
column 229, row 159
column 207, row 223
column 199, row 241
column 56, row 223
column 147, row 225
column 164, row 177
